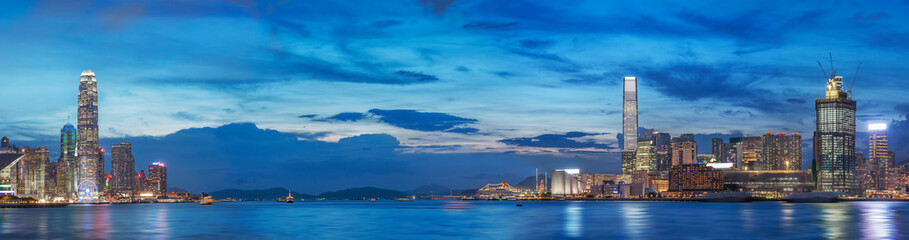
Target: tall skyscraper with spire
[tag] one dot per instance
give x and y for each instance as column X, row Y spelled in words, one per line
column 67, row 172
column 90, row 169
column 629, row 125
column 834, row 161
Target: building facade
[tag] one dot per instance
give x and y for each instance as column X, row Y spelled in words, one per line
column 878, row 156
column 565, row 182
column 89, row 168
column 156, row 181
column 630, row 114
column 718, row 149
column 749, row 154
column 645, row 156
column 66, row 171
column 782, row 151
column 684, row 151
column 834, row 161
column 123, row 167
column 695, row 177
column 628, row 161
column 32, row 173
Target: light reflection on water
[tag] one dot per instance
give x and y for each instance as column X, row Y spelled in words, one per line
column 573, row 224
column 462, row 220
column 877, row 219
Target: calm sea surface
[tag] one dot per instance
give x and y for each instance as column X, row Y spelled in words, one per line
column 436, row 219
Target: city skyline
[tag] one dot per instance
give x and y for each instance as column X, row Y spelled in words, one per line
column 554, row 121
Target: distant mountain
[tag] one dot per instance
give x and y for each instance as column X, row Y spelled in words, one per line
column 363, row 193
column 529, row 182
column 430, row 189
column 263, row 194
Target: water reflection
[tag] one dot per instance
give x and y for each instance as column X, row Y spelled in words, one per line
column 786, row 213
column 573, row 223
column 877, row 220
column 635, row 218
column 162, row 223
column 836, row 220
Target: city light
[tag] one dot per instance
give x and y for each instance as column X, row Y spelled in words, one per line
column 877, row 126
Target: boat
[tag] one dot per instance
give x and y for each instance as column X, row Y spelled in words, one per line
column 813, row 197
column 206, row 200
column 725, row 197
column 372, row 199
column 289, row 198
column 404, row 199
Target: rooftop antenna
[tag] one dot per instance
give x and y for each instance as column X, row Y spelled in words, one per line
column 855, row 75
column 822, row 69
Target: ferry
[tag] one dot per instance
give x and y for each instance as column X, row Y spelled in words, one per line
column 206, row 200
column 289, row 199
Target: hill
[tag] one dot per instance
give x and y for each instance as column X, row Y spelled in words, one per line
column 363, row 193
column 263, row 194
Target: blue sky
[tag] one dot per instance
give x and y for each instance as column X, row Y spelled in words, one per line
column 489, row 89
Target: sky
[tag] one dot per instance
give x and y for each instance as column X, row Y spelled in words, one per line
column 323, row 95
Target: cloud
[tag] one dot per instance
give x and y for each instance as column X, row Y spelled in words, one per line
column 463, row 130
column 557, row 141
column 691, row 80
column 489, row 25
column 307, row 116
column 422, row 121
column 347, row 117
column 438, row 6
column 188, row 116
column 416, row 76
column 535, row 44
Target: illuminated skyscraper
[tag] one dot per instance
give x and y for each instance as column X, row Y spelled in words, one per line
column 90, row 169
column 782, row 152
column 157, row 179
column 66, row 173
column 645, row 156
column 628, row 161
column 684, row 151
column 878, row 155
column 749, row 154
column 630, row 114
column 718, row 148
column 834, row 161
column 32, row 171
column 123, row 167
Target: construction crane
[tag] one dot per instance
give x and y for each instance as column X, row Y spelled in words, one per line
column 855, row 75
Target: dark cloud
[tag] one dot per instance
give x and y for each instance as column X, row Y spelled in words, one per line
column 690, row 80
column 462, row 69
column 535, row 44
column 594, row 79
column 416, row 76
column 557, row 141
column 463, row 130
column 187, row 116
column 307, row 116
column 489, row 25
column 438, row 6
column 422, row 121
column 347, row 117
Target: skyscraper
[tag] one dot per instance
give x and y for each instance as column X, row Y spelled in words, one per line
column 684, row 151
column 89, row 168
column 878, row 155
column 749, row 154
column 645, row 156
column 718, row 148
column 157, row 178
column 32, row 171
column 67, row 171
column 123, row 167
column 834, row 140
column 630, row 114
column 782, row 152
